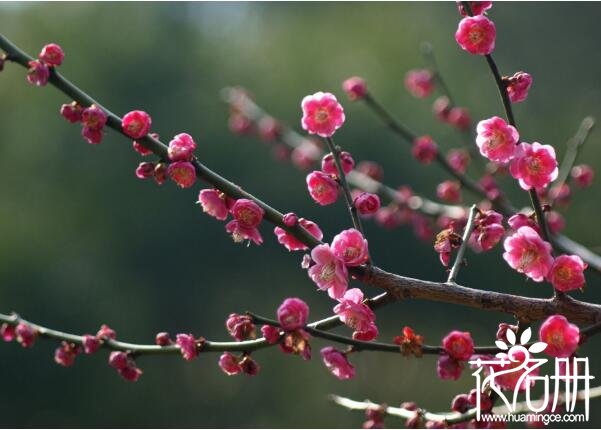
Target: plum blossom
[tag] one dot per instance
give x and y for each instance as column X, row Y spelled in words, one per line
column 292, row 314
column 213, row 203
column 367, row 204
column 534, row 165
column 351, row 247
column 562, row 337
column 329, row 271
column 187, row 345
column 582, row 175
column 518, row 86
column 449, row 191
column 354, row 313
column 478, row 7
column 496, row 139
column 322, row 114
column 459, row 345
column 322, row 188
column 420, row 82
column 567, row 273
column 136, row 124
column 328, row 165
column 181, row 147
column 337, row 363
column 38, row 73
column 528, row 253
column 476, row 35
column 230, row 364
column 355, row 88
column 52, row 54
column 424, row 149
column 449, row 368
column 290, row 242
column 182, row 173
column 458, row 159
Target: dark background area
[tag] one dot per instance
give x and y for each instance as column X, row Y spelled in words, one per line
column 83, row 242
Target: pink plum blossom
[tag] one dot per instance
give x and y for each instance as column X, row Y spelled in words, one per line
column 555, row 221
column 329, row 271
column 449, row 368
column 419, row 82
column 38, row 73
column 458, row 345
column 181, row 147
column 293, row 314
column 269, row 129
column 105, row 332
column 424, row 149
column 351, row 247
column 441, row 108
column 458, row 159
column 322, row 114
column 52, row 54
column 71, row 112
column 371, row 169
column 367, row 204
column 496, row 139
column 337, row 363
column 478, row 7
column 93, row 118
column 560, row 335
column 91, row 135
column 65, row 354
column 354, row 313
column 328, row 165
column 488, row 230
column 91, row 344
column 522, row 220
column 136, row 124
column 7, row 332
column 534, row 165
column 270, row 333
column 247, row 217
column 582, row 175
column 322, row 188
column 567, row 273
column 476, row 35
column 240, row 124
column 240, row 327
column 25, row 335
column 145, row 170
column 449, row 191
column 230, row 364
column 290, row 242
column 518, row 86
column 213, row 203
column 510, row 380
column 459, row 118
column 182, row 173
column 187, row 345
column 305, row 154
column 355, row 88
column 528, row 253
column 296, row 342
column 290, row 219
column 163, row 339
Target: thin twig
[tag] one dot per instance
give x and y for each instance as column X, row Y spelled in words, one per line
column 573, row 149
column 467, row 232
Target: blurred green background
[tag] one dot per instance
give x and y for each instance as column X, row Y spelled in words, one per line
column 83, row 242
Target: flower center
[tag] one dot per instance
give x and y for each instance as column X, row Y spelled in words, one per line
column 248, row 217
column 327, row 272
column 476, row 36
column 321, row 115
column 528, row 257
column 351, row 253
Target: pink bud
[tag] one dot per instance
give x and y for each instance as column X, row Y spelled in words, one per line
column 476, row 35
column 136, row 124
column 459, row 118
column 7, row 332
column 371, row 169
column 449, row 191
column 52, row 54
column 240, row 327
column 38, row 73
column 367, row 203
column 477, row 7
column 322, row 188
column 91, row 344
column 240, row 124
column 269, row 129
column 458, row 159
column 93, row 118
column 72, row 112
column 460, row 403
column 441, row 108
column 419, row 82
column 271, row 334
column 229, row 364
column 555, row 221
column 118, row 360
column 106, row 332
column 145, row 170
column 583, row 175
column 130, row 373
column 305, row 155
column 182, row 173
column 92, row 136
column 424, row 149
column 355, row 88
column 518, row 86
column 458, row 345
column 328, row 165
column 290, row 219
column 163, row 339
column 322, row 114
column 25, row 335
column 65, row 354
column 293, row 314
column 187, row 345
column 181, row 147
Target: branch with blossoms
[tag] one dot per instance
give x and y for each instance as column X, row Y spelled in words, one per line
column 331, row 265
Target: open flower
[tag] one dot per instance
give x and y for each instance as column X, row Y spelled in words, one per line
column 290, row 242
column 496, row 139
column 337, row 363
column 476, row 35
column 528, row 253
column 567, row 273
column 322, row 188
column 322, row 114
column 518, row 86
column 329, row 271
column 351, row 247
column 459, row 345
column 293, row 314
column 560, row 335
column 357, row 315
column 534, row 165
column 419, row 82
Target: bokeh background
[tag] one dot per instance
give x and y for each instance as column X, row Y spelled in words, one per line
column 83, row 242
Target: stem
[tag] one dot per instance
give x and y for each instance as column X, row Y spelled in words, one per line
column 574, row 145
column 335, row 150
column 467, row 232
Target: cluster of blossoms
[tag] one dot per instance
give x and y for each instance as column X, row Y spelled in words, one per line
column 51, row 56
column 92, row 119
